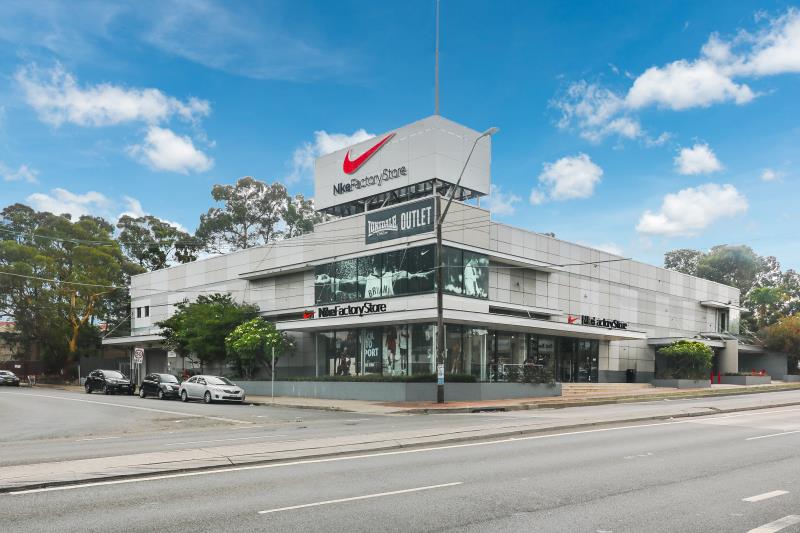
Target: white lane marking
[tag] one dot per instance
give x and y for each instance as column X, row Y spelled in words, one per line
column 336, row 459
column 648, row 454
column 224, row 440
column 357, row 419
column 765, row 496
column 346, row 457
column 777, row 525
column 754, row 412
column 97, row 438
column 774, row 435
column 365, row 497
column 193, row 415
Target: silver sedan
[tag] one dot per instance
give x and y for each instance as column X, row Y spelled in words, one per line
column 210, row 389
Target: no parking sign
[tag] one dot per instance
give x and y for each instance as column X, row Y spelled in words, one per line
column 138, row 355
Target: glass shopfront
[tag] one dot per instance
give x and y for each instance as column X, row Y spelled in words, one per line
column 401, row 272
column 489, row 355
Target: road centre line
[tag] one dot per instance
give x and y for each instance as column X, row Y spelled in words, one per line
column 777, row 525
column 774, row 435
column 765, row 496
column 193, row 415
column 96, row 438
column 223, row 440
column 350, row 457
column 366, row 497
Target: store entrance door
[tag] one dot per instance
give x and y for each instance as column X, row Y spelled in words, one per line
column 577, row 361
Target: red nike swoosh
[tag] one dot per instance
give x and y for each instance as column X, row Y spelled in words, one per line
column 572, row 319
column 351, row 166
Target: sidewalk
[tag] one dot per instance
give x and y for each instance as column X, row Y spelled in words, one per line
column 20, row 477
column 585, row 399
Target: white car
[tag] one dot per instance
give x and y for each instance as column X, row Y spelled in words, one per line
column 210, row 389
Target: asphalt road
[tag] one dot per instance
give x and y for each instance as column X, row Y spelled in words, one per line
column 680, row 475
column 42, row 424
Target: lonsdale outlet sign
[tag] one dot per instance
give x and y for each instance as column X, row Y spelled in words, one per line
column 586, row 320
column 403, row 220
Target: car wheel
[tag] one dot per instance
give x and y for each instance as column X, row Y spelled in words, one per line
column 207, row 397
column 141, row 393
column 160, row 394
column 184, row 397
column 88, row 389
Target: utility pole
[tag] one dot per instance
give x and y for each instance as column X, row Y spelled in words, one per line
column 440, row 215
column 436, row 75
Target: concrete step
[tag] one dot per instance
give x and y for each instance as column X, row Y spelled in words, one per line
column 603, row 389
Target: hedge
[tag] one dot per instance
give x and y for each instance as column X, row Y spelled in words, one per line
column 377, row 378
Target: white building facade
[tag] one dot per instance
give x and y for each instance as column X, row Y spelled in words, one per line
column 359, row 293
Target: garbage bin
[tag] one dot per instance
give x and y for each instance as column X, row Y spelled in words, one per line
column 630, row 375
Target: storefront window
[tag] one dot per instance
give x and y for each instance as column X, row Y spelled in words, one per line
column 371, row 350
column 475, row 361
column 395, row 350
column 339, row 349
column 422, row 349
column 454, row 350
column 396, row 273
column 346, row 280
column 476, row 275
column 539, row 363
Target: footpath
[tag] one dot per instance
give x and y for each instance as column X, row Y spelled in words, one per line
column 442, row 430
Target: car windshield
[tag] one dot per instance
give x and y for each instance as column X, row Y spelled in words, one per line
column 168, row 378
column 113, row 374
column 218, row 381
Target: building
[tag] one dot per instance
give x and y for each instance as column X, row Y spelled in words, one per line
column 358, row 293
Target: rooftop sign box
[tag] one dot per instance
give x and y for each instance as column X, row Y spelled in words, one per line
column 432, row 148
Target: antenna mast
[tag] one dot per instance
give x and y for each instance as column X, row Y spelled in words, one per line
column 436, row 87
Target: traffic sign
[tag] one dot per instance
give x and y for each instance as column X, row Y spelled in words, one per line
column 138, row 355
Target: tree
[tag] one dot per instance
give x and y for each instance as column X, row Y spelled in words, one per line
column 252, row 343
column 300, row 216
column 155, row 244
column 684, row 260
column 731, row 265
column 784, row 336
column 60, row 276
column 765, row 304
column 197, row 330
column 249, row 217
column 686, row 360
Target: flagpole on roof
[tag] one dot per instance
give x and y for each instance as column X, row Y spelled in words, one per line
column 436, row 83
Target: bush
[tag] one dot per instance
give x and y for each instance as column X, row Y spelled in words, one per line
column 686, row 360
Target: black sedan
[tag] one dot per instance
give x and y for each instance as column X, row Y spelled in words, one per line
column 8, row 378
column 109, row 381
column 162, row 385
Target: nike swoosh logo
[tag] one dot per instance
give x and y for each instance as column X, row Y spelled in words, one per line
column 351, row 166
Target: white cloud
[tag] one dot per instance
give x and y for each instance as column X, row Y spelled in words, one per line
column 163, row 149
column 61, row 201
column 501, row 203
column 133, row 208
column 699, row 159
column 302, row 164
column 683, row 85
column 715, row 76
column 566, row 179
column 57, row 98
column 693, row 209
column 770, row 175
column 22, row 173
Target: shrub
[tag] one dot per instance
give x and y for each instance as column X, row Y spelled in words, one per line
column 686, row 360
column 376, row 378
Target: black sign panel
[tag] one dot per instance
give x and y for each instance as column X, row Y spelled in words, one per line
column 402, row 220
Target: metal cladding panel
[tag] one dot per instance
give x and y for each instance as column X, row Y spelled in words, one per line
column 432, row 148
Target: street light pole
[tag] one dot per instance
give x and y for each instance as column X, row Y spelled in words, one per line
column 440, row 355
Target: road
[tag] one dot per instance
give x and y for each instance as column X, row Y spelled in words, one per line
column 673, row 475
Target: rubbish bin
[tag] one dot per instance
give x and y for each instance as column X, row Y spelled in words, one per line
column 630, row 375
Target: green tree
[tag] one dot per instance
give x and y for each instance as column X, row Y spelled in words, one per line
column 686, row 360
column 784, row 337
column 155, row 244
column 683, row 260
column 736, row 266
column 300, row 216
column 765, row 304
column 249, row 216
column 198, row 329
column 251, row 344
column 59, row 277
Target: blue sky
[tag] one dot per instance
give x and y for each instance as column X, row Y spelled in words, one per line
column 637, row 129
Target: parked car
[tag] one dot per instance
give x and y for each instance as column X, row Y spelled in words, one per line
column 211, row 389
column 8, row 378
column 162, row 385
column 109, row 381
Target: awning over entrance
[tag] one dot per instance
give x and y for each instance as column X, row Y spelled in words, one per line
column 488, row 320
column 133, row 340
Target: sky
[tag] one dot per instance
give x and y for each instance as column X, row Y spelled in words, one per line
column 636, row 128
